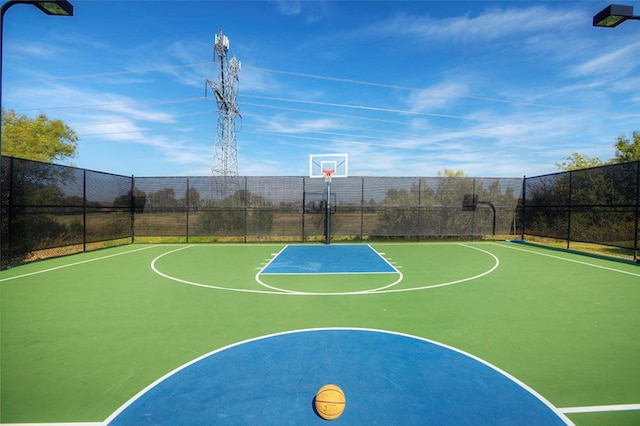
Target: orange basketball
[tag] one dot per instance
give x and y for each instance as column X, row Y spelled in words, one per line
column 330, row 402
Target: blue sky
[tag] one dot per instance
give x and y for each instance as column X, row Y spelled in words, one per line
column 405, row 88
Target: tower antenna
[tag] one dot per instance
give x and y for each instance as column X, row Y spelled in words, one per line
column 225, row 150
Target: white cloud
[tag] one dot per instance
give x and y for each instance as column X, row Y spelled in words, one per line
column 257, row 80
column 109, row 128
column 614, row 64
column 313, row 11
column 281, row 124
column 187, row 62
column 35, row 49
column 74, row 101
column 134, row 109
column 436, row 97
column 105, row 118
column 288, row 7
column 490, row 25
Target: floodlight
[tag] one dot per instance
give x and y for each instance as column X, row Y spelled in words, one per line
column 613, row 15
column 60, row 8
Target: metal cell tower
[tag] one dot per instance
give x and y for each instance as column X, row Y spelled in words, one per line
column 225, row 150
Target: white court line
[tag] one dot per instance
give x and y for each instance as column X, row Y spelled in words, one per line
column 346, row 293
column 600, row 408
column 381, row 290
column 75, row 264
column 515, row 380
column 55, row 424
column 495, row 266
column 569, row 260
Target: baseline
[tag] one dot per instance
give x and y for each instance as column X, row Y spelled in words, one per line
column 75, row 264
column 600, row 408
column 580, row 262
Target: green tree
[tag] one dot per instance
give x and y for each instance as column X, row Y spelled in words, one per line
column 193, row 197
column 577, row 161
column 444, row 216
column 242, row 213
column 627, row 149
column 40, row 138
column 451, row 173
column 139, row 200
column 35, row 184
column 162, row 200
column 399, row 214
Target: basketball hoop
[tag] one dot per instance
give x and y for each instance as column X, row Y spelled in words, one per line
column 328, row 166
column 327, row 174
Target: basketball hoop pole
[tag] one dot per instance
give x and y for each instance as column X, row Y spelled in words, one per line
column 328, row 166
column 327, row 220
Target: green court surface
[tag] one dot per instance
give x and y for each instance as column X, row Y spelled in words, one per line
column 83, row 334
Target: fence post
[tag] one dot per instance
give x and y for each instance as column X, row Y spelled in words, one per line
column 246, row 207
column 132, row 203
column 304, row 206
column 419, row 215
column 10, row 209
column 84, row 210
column 635, row 238
column 473, row 212
column 187, row 207
column 524, row 198
column 362, row 209
column 569, row 210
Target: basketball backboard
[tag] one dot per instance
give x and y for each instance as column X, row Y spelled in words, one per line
column 336, row 164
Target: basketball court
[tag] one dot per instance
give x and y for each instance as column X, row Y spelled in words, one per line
column 454, row 333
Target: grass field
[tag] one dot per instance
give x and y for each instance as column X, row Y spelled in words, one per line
column 82, row 334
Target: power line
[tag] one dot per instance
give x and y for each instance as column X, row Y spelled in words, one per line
column 461, row 132
column 355, row 142
column 315, row 112
column 346, row 116
column 337, row 79
column 112, row 73
column 380, row 120
column 362, row 107
column 299, row 110
column 106, row 105
column 110, row 123
column 440, row 93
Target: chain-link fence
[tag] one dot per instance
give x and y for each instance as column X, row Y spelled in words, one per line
column 219, row 208
column 598, row 205
column 294, row 208
column 49, row 210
